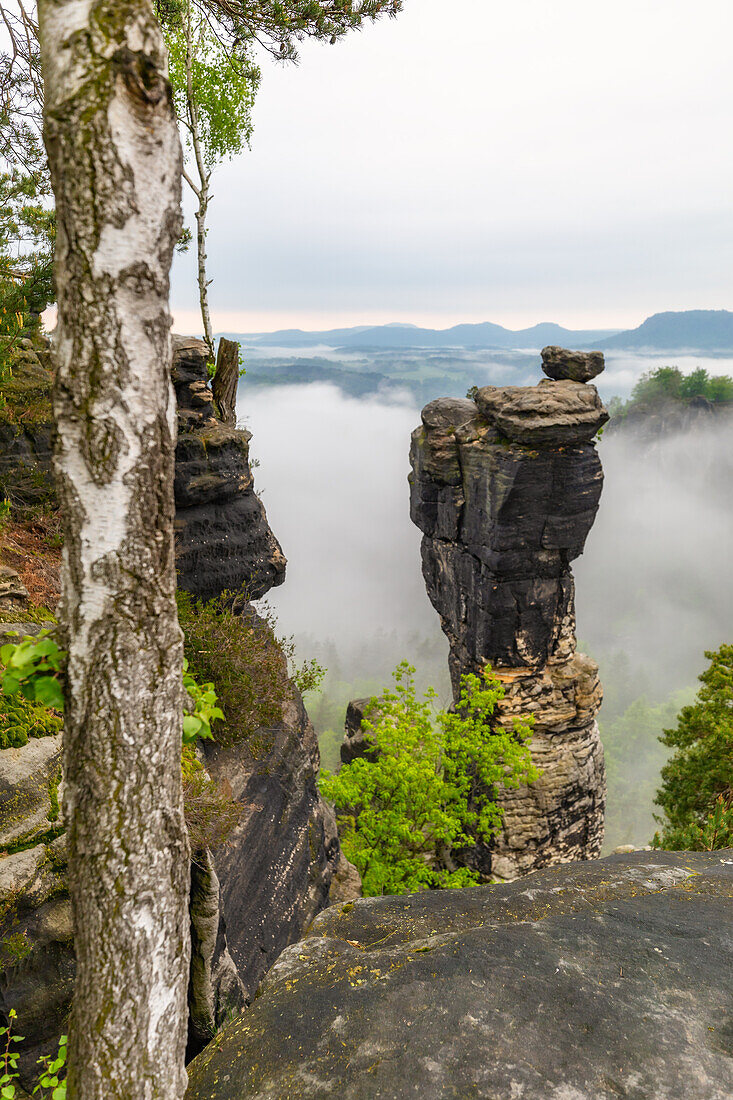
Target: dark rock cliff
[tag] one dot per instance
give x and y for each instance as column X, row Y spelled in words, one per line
column 277, row 868
column 505, row 489
column 585, row 982
column 223, row 539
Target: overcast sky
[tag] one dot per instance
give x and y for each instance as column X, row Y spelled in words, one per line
column 506, row 160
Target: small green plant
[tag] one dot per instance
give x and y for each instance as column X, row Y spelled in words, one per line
column 13, row 949
column 34, row 671
column 50, row 1086
column 50, row 1079
column 309, row 676
column 9, row 1059
column 203, row 700
column 34, row 668
column 430, row 789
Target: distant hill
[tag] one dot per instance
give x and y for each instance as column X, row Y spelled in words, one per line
column 486, row 335
column 696, row 330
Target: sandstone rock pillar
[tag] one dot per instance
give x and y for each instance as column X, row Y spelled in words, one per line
column 505, row 488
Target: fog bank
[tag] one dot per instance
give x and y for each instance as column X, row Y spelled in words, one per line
column 654, row 587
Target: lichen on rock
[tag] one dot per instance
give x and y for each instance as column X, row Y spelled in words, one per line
column 591, row 982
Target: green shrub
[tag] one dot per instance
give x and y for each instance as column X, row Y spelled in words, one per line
column 714, row 833
column 52, row 1079
column 34, row 669
column 431, row 789
column 211, row 812
column 700, row 772
column 242, row 657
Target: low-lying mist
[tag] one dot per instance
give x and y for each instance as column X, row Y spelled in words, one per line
column 654, row 587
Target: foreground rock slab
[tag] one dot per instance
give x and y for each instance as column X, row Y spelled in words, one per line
column 589, row 981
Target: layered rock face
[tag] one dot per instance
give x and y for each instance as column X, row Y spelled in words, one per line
column 505, row 489
column 223, row 539
column 586, row 982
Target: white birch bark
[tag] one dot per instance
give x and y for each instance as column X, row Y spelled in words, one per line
column 116, row 166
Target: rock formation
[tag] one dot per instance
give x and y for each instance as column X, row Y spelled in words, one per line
column 585, row 982
column 355, row 745
column 278, row 868
column 505, row 488
column 223, row 539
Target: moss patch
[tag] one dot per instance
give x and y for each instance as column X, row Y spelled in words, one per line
column 21, row 720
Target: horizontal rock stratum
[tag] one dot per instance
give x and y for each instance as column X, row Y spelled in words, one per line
column 590, row 981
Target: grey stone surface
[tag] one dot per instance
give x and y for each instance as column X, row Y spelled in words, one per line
column 27, row 775
column 578, row 366
column 277, row 867
column 356, row 743
column 548, row 414
column 593, row 981
column 13, row 593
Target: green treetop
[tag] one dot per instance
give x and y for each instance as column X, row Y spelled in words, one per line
column 697, row 782
column 214, row 82
column 431, row 788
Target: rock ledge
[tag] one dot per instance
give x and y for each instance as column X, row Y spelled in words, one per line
column 589, row 981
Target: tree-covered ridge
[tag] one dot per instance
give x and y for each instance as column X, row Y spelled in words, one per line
column 670, row 384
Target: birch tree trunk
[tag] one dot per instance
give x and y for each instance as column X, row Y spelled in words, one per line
column 116, row 167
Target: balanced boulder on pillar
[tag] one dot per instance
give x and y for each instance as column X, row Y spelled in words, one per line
column 505, row 488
